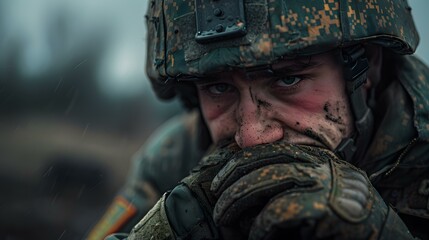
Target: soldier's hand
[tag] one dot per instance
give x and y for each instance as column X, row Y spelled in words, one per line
column 300, row 192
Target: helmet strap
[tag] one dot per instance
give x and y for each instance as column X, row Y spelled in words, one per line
column 355, row 68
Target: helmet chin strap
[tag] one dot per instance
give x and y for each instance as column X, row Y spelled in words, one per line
column 355, row 67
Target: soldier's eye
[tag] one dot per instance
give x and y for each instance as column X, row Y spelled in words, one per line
column 219, row 88
column 288, row 81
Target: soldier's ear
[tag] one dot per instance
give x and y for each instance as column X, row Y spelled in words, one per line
column 375, row 58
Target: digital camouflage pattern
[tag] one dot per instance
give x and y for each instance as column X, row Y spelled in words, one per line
column 278, row 189
column 275, row 29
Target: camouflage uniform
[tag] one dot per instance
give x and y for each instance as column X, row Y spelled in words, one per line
column 157, row 167
column 395, row 161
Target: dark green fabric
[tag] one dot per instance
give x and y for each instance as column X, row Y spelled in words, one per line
column 166, row 158
column 401, row 115
column 171, row 151
column 398, row 159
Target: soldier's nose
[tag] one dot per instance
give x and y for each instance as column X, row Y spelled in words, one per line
column 255, row 127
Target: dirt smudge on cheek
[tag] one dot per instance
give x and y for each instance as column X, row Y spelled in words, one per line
column 333, row 115
column 264, row 104
column 309, row 132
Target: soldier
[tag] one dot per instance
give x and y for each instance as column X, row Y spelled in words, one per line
column 314, row 120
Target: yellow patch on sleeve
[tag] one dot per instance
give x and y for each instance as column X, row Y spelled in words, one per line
column 119, row 212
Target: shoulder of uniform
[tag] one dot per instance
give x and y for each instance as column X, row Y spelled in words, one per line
column 170, row 133
column 172, row 149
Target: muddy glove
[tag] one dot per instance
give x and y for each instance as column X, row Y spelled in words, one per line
column 185, row 212
column 284, row 191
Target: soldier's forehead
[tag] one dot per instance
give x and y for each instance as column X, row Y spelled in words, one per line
column 302, row 63
column 297, row 64
column 280, row 68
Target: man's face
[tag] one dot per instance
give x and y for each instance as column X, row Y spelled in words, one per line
column 302, row 102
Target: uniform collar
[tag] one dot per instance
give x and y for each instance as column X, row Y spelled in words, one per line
column 401, row 115
column 414, row 77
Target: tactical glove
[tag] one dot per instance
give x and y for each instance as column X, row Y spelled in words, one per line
column 284, row 191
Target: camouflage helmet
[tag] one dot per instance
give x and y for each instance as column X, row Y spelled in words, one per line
column 196, row 37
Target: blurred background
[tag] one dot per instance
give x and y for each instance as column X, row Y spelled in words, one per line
column 75, row 105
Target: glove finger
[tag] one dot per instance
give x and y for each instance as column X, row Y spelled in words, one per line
column 256, row 157
column 293, row 215
column 339, row 209
column 256, row 188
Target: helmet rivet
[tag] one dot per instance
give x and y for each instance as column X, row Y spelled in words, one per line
column 219, row 28
column 218, row 12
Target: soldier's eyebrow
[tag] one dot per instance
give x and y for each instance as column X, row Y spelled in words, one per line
column 288, row 67
column 210, row 79
column 284, row 69
column 296, row 66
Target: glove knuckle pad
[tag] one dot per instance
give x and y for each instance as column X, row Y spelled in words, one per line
column 351, row 197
